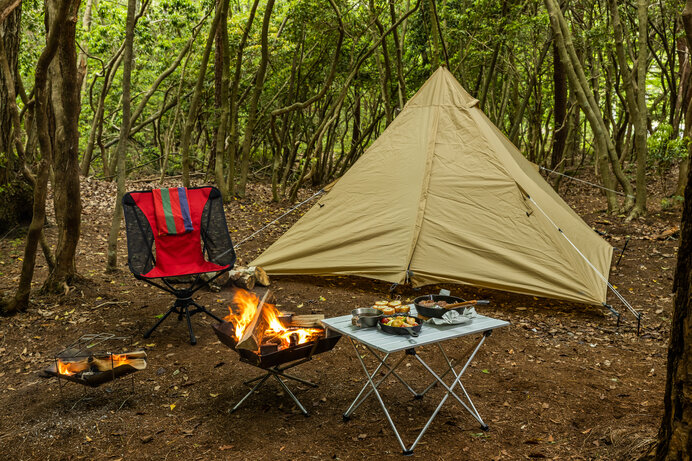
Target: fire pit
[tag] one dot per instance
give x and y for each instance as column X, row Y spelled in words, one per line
column 90, row 361
column 271, row 340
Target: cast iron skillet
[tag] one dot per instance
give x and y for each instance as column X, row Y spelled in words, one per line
column 413, row 331
column 439, row 312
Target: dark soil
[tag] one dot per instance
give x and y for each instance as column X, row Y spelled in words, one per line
column 562, row 382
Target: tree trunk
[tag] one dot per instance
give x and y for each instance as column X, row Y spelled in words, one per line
column 674, row 436
column 674, row 441
column 121, row 150
column 56, row 25
column 65, row 102
column 254, row 102
column 560, row 102
column 222, row 69
column 605, row 150
column 635, row 95
column 194, row 104
column 10, row 35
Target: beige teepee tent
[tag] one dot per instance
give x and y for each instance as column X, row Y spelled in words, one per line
column 442, row 196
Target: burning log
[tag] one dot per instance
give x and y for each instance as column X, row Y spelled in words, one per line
column 252, row 335
column 101, row 363
column 136, row 360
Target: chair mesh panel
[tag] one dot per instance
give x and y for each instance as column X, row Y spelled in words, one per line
column 140, row 239
column 215, row 232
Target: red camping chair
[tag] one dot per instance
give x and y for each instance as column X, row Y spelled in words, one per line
column 169, row 233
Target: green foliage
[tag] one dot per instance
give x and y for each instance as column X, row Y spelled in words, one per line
column 664, row 149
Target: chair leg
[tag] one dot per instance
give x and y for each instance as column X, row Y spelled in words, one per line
column 151, row 330
column 193, row 339
column 205, row 310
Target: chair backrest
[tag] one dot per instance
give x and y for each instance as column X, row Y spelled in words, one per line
column 154, row 253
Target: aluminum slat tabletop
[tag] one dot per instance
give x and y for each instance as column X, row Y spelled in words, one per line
column 429, row 333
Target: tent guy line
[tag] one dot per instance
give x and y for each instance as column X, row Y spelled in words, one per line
column 586, row 182
column 605, row 279
column 319, row 192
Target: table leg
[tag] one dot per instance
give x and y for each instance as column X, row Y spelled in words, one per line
column 358, row 400
column 379, row 398
column 396, row 375
column 450, row 390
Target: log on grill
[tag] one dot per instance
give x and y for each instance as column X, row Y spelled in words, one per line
column 251, row 338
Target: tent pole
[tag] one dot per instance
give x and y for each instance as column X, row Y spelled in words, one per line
column 634, row 312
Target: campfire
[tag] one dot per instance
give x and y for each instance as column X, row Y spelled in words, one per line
column 265, row 336
column 86, row 362
column 272, row 340
column 258, row 325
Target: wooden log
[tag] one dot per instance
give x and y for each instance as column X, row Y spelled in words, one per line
column 252, row 335
column 260, row 275
column 307, row 320
column 247, row 277
column 136, row 359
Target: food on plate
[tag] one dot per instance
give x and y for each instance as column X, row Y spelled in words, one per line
column 394, row 304
column 402, row 309
column 388, row 310
column 400, row 321
column 381, row 303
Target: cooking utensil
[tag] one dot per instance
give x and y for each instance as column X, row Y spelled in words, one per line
column 453, row 303
column 365, row 317
column 411, row 331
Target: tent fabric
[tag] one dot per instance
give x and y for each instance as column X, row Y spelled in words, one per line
column 442, row 196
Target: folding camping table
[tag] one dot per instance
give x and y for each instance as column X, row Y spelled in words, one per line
column 374, row 340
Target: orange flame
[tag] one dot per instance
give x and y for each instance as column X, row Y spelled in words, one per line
column 246, row 306
column 71, row 368
column 120, row 359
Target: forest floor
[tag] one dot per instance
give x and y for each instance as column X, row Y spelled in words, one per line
column 561, row 382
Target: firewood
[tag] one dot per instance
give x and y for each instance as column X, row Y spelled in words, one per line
column 252, row 335
column 247, row 277
column 136, row 359
column 260, row 275
column 307, row 320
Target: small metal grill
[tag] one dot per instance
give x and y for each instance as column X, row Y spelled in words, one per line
column 92, row 361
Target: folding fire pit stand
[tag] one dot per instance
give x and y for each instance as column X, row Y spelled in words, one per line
column 276, row 363
column 374, row 340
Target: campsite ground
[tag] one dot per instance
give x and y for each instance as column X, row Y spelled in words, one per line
column 562, row 382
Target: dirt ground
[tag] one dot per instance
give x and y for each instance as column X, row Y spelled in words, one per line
column 563, row 381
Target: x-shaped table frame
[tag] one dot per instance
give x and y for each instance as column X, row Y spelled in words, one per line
column 383, row 348
column 373, row 384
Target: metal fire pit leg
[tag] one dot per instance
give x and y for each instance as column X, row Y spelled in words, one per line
column 264, row 378
column 288, row 391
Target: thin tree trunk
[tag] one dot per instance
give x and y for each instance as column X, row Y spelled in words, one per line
column 579, row 85
column 254, row 102
column 82, row 62
column 121, row 150
column 194, row 104
column 560, row 103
